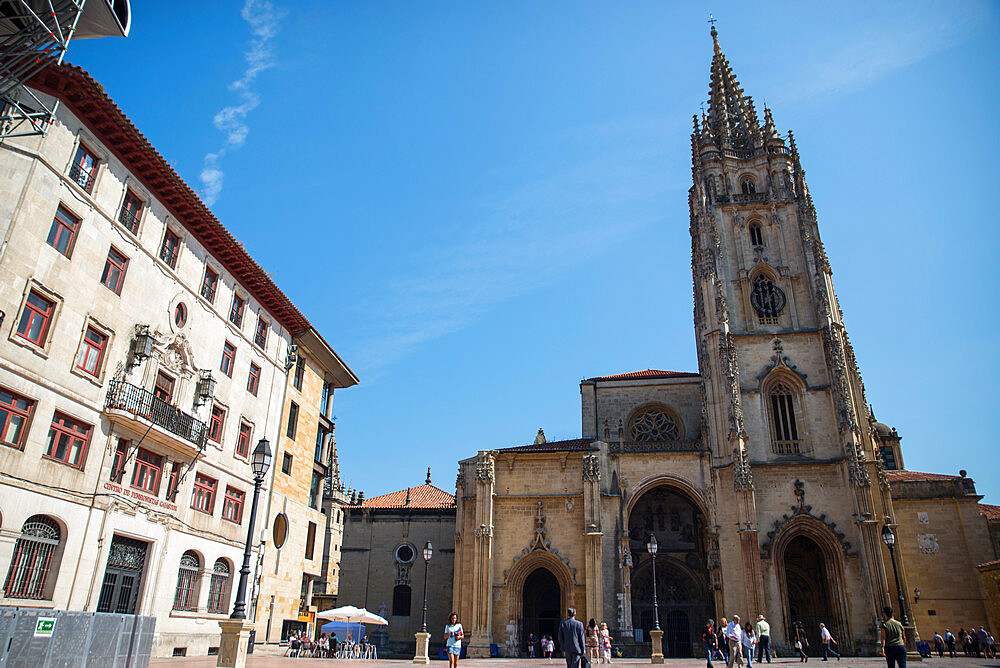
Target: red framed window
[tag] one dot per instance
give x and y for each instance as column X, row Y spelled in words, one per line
column 228, row 359
column 62, row 233
column 118, row 463
column 113, row 275
column 236, row 311
column 15, row 412
column 68, row 440
column 91, row 352
column 83, row 171
column 209, row 284
column 232, row 505
column 164, row 388
column 253, row 379
column 35, row 318
column 260, row 336
column 131, row 210
column 148, row 468
column 243, row 440
column 215, row 423
column 203, row 498
column 170, row 247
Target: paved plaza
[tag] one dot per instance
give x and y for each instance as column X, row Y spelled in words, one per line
column 269, row 661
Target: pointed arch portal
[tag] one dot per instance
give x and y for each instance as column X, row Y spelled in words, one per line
column 540, row 604
column 683, row 592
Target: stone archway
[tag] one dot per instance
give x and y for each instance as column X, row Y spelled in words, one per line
column 540, row 604
column 810, row 569
column 683, row 588
column 529, row 572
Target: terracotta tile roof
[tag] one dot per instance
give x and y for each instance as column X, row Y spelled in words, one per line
column 424, row 497
column 917, row 475
column 646, row 373
column 553, row 446
column 991, row 512
column 87, row 100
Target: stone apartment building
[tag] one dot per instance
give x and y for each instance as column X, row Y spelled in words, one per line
column 142, row 357
column 304, row 517
column 764, row 477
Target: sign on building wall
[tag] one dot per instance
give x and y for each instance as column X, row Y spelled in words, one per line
column 45, row 627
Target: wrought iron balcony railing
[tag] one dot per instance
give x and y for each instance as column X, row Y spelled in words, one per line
column 82, row 176
column 142, row 403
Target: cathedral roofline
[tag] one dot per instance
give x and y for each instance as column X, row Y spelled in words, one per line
column 570, row 445
column 422, row 497
column 644, row 374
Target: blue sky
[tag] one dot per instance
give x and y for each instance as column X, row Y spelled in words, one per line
column 480, row 204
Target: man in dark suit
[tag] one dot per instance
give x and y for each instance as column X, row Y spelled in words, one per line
column 571, row 640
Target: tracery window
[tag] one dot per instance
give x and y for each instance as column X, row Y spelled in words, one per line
column 748, row 186
column 767, row 299
column 32, row 559
column 217, row 586
column 187, row 575
column 785, row 431
column 756, row 235
column 654, row 424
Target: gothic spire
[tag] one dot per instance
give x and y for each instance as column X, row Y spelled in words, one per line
column 731, row 114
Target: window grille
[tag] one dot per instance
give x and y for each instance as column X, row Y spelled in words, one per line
column 767, row 299
column 29, row 567
column 786, row 433
column 217, row 587
column 184, row 596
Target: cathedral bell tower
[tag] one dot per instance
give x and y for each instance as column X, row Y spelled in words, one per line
column 782, row 397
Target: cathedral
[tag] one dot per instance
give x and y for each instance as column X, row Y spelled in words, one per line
column 764, row 478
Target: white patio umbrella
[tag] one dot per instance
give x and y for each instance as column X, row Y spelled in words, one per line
column 350, row 613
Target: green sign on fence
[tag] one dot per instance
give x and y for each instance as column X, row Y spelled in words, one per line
column 45, row 627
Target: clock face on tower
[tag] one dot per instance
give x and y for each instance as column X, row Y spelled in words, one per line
column 767, row 298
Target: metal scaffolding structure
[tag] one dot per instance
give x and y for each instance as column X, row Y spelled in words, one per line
column 35, row 34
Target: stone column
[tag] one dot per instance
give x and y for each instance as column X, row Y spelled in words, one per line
column 593, row 536
column 482, row 569
column 233, row 647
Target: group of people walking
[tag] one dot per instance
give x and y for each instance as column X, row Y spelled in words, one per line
column 737, row 642
column 972, row 643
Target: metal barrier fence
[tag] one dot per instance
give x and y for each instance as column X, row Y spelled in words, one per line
column 39, row 638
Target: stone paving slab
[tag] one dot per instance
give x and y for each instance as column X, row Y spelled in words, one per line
column 276, row 661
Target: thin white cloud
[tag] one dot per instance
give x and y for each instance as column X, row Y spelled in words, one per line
column 528, row 238
column 263, row 19
column 898, row 37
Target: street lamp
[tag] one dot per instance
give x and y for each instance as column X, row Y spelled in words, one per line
column 428, row 553
column 651, row 546
column 889, row 538
column 260, row 462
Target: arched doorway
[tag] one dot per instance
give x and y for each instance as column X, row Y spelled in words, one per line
column 683, row 594
column 806, row 582
column 540, row 601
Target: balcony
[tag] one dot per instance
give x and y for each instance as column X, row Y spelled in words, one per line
column 142, row 412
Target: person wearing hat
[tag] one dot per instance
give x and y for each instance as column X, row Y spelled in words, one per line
column 763, row 639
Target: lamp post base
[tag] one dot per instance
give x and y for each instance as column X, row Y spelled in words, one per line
column 910, row 638
column 423, row 640
column 657, row 637
column 233, row 646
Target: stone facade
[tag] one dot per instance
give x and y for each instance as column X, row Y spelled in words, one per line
column 762, row 477
column 142, row 357
column 304, row 518
column 384, row 538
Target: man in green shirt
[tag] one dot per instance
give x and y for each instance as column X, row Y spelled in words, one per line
column 891, row 635
column 763, row 639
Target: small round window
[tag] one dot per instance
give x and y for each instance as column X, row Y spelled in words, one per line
column 280, row 530
column 404, row 554
column 180, row 314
